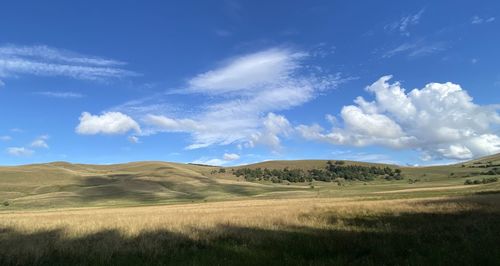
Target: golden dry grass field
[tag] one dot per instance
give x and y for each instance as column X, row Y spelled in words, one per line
column 432, row 231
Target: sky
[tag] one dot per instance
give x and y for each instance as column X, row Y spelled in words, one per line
column 237, row 82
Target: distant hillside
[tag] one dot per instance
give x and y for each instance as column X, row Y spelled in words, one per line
column 492, row 159
column 305, row 164
column 62, row 184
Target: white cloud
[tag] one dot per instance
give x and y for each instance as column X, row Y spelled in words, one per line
column 456, row 151
column 63, row 95
column 440, row 120
column 480, row 20
column 48, row 53
column 231, row 157
column 173, row 124
column 40, row 142
column 274, row 127
column 323, row 50
column 5, row 138
column 404, row 23
column 19, row 151
column 133, row 139
column 226, row 159
column 215, row 161
column 245, row 93
column 416, row 49
column 107, row 123
column 248, row 72
column 365, row 157
column 17, row 130
column 46, row 61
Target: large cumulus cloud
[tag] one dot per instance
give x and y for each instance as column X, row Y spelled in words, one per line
column 440, row 120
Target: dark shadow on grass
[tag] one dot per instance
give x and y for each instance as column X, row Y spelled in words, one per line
column 111, row 187
column 133, row 187
column 454, row 238
column 487, row 192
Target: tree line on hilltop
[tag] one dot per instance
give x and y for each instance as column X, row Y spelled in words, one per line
column 334, row 171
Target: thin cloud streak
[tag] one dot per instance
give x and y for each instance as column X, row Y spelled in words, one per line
column 45, row 61
column 63, row 95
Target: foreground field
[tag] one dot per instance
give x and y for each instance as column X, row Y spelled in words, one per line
column 433, row 231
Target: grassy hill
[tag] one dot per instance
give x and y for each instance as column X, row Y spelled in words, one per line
column 61, row 184
column 466, row 169
column 304, row 164
column 427, row 218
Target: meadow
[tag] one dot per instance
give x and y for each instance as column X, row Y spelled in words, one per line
column 168, row 214
column 432, row 231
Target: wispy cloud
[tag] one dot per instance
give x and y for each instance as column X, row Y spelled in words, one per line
column 402, row 25
column 207, row 161
column 231, row 156
column 481, row 20
column 19, row 151
column 248, row 72
column 416, row 49
column 17, row 130
column 63, row 95
column 56, row 55
column 40, row 142
column 5, row 138
column 245, row 94
column 133, row 139
column 366, row 157
column 46, row 61
column 227, row 158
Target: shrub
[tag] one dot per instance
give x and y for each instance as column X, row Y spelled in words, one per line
column 332, row 171
column 275, row 180
column 482, row 181
column 6, row 203
column 490, row 180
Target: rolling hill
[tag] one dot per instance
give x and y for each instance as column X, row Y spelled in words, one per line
column 61, row 184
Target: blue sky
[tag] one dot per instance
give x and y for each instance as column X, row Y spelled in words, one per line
column 234, row 82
